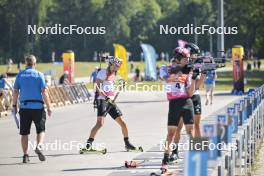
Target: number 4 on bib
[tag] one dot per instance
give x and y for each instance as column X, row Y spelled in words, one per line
column 178, row 85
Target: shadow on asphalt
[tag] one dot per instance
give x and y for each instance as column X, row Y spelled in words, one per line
column 53, row 155
column 142, row 163
column 225, row 94
column 121, row 168
column 14, row 164
column 95, row 168
column 147, row 101
column 73, row 154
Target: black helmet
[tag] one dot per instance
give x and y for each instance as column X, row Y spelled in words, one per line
column 194, row 49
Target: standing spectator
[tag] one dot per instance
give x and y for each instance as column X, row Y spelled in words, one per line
column 137, row 74
column 53, row 54
column 19, row 66
column 128, row 55
column 30, row 87
column 209, row 84
column 255, row 63
column 64, row 78
column 259, row 64
column 94, row 75
column 255, row 58
column 162, row 56
column 141, row 56
column 158, row 72
column 251, row 53
column 9, row 65
column 5, row 89
column 167, row 56
column 95, row 56
column 131, row 67
column 249, row 66
column 3, row 82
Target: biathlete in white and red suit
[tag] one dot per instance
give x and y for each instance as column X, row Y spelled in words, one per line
column 105, row 94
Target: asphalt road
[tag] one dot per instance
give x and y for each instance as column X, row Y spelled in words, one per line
column 145, row 114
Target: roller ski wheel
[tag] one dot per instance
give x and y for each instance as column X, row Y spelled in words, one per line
column 136, row 149
column 92, row 151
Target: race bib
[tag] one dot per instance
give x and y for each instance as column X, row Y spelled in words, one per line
column 108, row 88
column 176, row 87
column 108, row 84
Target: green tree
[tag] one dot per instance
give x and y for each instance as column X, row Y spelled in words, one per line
column 143, row 23
column 15, row 16
column 247, row 16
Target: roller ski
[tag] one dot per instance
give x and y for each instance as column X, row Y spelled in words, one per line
column 165, row 174
column 131, row 148
column 136, row 149
column 92, row 151
column 165, row 166
column 88, row 149
column 163, row 169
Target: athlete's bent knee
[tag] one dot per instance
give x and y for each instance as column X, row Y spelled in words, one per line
column 99, row 123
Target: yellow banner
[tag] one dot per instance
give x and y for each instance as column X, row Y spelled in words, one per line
column 120, row 52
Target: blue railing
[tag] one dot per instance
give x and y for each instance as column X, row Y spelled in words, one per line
column 234, row 134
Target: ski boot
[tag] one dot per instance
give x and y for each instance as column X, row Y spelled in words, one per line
column 165, row 163
column 131, row 148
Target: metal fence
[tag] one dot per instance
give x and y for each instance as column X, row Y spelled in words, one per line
column 239, row 129
column 60, row 95
column 68, row 94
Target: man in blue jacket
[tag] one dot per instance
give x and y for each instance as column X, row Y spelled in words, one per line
column 30, row 86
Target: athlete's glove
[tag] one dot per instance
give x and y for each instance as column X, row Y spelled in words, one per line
column 109, row 101
column 14, row 109
column 195, row 75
